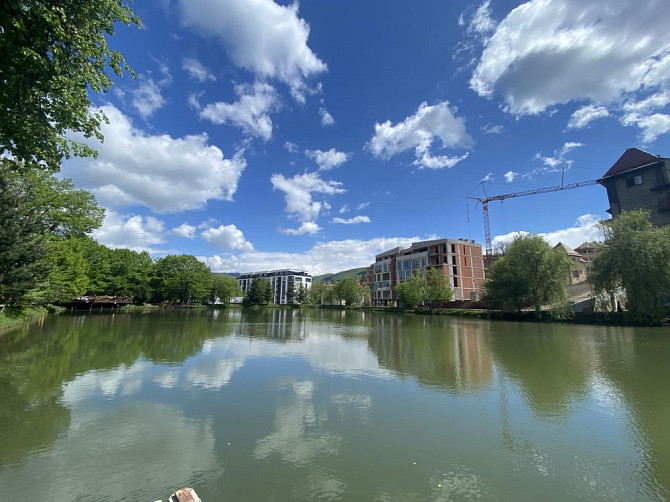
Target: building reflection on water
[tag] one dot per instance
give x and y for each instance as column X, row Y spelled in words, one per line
column 453, row 355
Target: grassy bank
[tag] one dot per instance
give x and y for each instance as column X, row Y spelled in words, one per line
column 9, row 320
column 598, row 318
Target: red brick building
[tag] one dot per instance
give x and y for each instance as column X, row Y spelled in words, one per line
column 460, row 260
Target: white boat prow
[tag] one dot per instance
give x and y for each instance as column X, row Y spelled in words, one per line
column 183, row 495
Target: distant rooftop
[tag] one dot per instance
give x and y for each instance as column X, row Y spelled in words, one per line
column 568, row 250
column 632, row 159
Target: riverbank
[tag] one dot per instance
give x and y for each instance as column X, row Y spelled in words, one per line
column 597, row 318
column 9, row 321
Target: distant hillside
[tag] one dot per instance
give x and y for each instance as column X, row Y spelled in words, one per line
column 354, row 272
column 231, row 274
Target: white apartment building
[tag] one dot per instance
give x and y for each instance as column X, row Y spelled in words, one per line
column 285, row 283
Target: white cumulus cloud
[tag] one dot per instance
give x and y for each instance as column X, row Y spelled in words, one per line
column 549, row 52
column 326, row 118
column 226, row 237
column 555, row 162
column 184, row 230
column 419, row 132
column 197, row 70
column 585, row 115
column 510, row 176
column 329, row 159
column 139, row 233
column 585, row 229
column 165, row 174
column 352, row 221
column 298, row 192
column 324, row 257
column 268, row 39
column 307, row 228
column 147, row 98
column 652, row 125
column 251, row 112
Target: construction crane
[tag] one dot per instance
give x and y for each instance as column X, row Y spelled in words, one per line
column 485, row 203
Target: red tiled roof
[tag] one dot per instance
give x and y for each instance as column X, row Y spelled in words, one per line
column 630, row 160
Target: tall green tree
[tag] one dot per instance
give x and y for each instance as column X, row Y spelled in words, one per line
column 302, row 293
column 182, row 279
column 412, row 292
column 130, row 274
column 22, row 264
column 99, row 261
column 316, row 292
column 350, row 291
column 225, row 287
column 531, row 272
column 438, row 289
column 53, row 54
column 635, row 256
column 63, row 210
column 259, row 292
column 68, row 270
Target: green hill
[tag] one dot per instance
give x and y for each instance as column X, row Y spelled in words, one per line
column 354, row 272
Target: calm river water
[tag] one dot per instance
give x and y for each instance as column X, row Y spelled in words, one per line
column 286, row 405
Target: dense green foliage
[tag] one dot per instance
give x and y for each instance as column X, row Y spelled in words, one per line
column 530, row 272
column 348, row 291
column 182, row 279
column 438, row 289
column 411, row 293
column 53, row 54
column 68, row 270
column 351, row 292
column 225, row 287
column 44, row 220
column 316, row 293
column 636, row 257
column 431, row 287
column 21, row 246
column 62, row 210
column 259, row 293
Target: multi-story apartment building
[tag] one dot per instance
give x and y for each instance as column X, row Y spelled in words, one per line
column 639, row 180
column 460, row 260
column 285, row 283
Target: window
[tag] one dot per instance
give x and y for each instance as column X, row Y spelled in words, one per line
column 399, row 264
column 415, row 263
column 423, row 262
column 378, row 268
column 634, row 181
column 407, row 264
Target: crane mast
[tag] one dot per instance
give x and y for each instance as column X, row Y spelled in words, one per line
column 485, row 203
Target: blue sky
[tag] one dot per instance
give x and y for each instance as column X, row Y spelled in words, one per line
column 262, row 135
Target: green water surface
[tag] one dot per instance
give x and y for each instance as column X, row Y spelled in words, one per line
column 284, row 405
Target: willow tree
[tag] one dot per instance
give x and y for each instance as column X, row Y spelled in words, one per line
column 636, row 257
column 530, row 273
column 53, row 55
